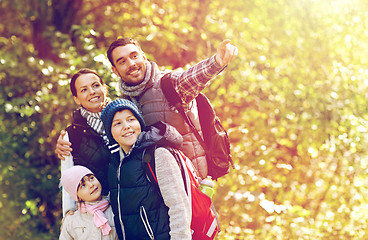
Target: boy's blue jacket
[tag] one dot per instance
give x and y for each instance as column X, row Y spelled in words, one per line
column 136, row 206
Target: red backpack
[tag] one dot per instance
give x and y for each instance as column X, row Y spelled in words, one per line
column 204, row 223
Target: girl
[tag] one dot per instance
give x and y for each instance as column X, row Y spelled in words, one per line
column 94, row 217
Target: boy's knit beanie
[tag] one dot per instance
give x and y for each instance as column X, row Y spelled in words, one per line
column 117, row 105
column 71, row 178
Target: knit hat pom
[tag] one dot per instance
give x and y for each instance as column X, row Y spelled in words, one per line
column 117, row 105
column 71, row 178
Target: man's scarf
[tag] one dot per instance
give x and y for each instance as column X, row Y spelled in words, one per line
column 136, row 90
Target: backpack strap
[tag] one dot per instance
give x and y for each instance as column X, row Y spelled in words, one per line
column 174, row 99
column 207, row 116
column 150, row 166
column 177, row 157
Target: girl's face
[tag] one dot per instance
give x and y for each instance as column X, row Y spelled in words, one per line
column 89, row 189
column 125, row 129
column 91, row 94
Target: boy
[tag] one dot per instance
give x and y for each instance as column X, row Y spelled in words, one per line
column 140, row 210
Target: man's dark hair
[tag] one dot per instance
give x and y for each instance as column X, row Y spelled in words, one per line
column 121, row 42
column 79, row 73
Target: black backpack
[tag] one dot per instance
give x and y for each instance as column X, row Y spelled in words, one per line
column 215, row 140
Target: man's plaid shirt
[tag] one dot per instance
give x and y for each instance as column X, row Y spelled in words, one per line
column 189, row 83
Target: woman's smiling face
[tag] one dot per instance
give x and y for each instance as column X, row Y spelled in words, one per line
column 91, row 93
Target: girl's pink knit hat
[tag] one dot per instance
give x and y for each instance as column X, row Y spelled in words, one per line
column 71, row 178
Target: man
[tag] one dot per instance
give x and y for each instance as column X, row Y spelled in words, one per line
column 140, row 82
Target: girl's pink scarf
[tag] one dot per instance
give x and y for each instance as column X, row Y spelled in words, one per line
column 98, row 216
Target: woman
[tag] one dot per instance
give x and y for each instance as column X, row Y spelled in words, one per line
column 86, row 133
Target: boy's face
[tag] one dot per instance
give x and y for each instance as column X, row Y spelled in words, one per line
column 130, row 64
column 89, row 189
column 125, row 129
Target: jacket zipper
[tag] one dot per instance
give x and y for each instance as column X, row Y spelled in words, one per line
column 146, row 223
column 119, row 208
column 118, row 176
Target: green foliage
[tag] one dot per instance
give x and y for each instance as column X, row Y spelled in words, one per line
column 294, row 102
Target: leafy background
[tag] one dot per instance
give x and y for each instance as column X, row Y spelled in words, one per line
column 294, row 103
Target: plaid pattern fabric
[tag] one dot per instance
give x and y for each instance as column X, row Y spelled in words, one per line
column 190, row 82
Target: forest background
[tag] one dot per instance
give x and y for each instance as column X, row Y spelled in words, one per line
column 294, row 102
